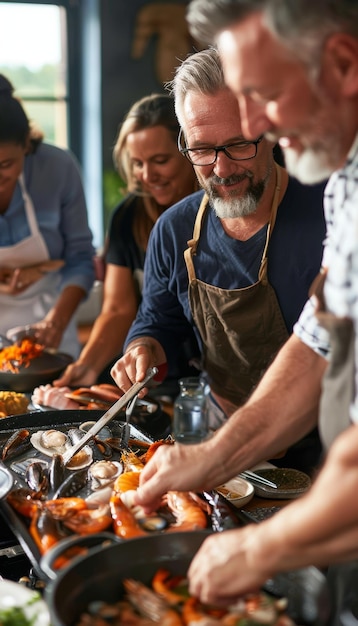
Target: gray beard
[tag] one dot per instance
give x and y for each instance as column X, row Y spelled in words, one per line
column 234, row 207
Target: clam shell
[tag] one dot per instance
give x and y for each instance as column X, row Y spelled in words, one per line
column 83, row 458
column 104, row 473
column 53, row 440
column 104, row 433
column 42, row 438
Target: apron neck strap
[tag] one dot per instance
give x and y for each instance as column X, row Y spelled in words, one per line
column 193, row 243
column 270, row 226
column 29, row 206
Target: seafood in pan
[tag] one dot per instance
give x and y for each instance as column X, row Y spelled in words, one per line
column 54, row 511
column 168, row 602
column 179, row 511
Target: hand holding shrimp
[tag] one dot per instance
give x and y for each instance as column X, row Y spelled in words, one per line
column 170, row 469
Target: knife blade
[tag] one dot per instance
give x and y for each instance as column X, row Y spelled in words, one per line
column 109, row 415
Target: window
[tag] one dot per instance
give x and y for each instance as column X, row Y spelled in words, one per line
column 50, row 51
column 33, row 56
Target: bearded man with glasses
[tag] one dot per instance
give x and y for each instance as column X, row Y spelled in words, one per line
column 234, row 261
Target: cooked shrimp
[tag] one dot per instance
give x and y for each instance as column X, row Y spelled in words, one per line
column 163, row 584
column 63, row 508
column 150, row 605
column 23, row 501
column 45, row 530
column 188, row 513
column 194, row 614
column 89, row 521
column 131, row 462
column 125, row 524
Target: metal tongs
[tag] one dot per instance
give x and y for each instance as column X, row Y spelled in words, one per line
column 109, row 415
column 126, row 430
column 256, row 478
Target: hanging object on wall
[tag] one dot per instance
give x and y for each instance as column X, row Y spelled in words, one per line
column 167, row 23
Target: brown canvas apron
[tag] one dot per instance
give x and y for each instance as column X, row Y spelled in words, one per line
column 241, row 329
column 337, row 394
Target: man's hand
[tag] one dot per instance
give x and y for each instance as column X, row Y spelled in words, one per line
column 177, row 467
column 48, row 333
column 142, row 354
column 220, row 572
column 77, row 374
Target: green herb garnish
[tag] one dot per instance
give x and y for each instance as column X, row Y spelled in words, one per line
column 15, row 616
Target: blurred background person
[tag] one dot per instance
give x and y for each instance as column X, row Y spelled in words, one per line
column 156, row 176
column 46, row 252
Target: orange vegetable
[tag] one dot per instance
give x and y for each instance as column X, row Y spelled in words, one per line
column 19, row 355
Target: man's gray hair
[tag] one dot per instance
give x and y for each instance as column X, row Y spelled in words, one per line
column 200, row 72
column 302, row 25
column 206, row 18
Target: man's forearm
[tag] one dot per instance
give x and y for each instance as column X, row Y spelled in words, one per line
column 282, row 409
column 321, row 527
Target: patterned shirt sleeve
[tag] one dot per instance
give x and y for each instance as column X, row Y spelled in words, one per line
column 340, row 255
column 310, row 332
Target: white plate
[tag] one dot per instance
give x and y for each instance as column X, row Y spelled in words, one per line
column 238, row 491
column 16, row 595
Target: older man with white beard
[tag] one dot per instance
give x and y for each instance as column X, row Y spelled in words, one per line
column 235, row 263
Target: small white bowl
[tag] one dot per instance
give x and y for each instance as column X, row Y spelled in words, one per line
column 237, row 491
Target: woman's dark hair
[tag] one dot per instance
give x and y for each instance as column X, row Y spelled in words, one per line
column 15, row 126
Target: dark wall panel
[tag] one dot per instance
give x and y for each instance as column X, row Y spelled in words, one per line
column 142, row 43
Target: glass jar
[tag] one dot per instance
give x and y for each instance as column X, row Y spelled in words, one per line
column 190, row 417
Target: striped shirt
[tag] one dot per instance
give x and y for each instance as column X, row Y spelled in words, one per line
column 341, row 257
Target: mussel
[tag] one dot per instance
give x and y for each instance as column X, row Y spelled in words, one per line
column 36, row 476
column 17, row 444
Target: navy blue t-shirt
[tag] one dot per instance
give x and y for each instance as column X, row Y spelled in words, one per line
column 294, row 259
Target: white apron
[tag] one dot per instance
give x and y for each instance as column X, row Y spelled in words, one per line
column 32, row 304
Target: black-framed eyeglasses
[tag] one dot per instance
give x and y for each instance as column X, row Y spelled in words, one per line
column 237, row 151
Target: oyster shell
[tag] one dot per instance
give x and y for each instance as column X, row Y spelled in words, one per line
column 104, row 473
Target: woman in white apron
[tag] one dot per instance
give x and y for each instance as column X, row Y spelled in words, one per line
column 34, row 289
